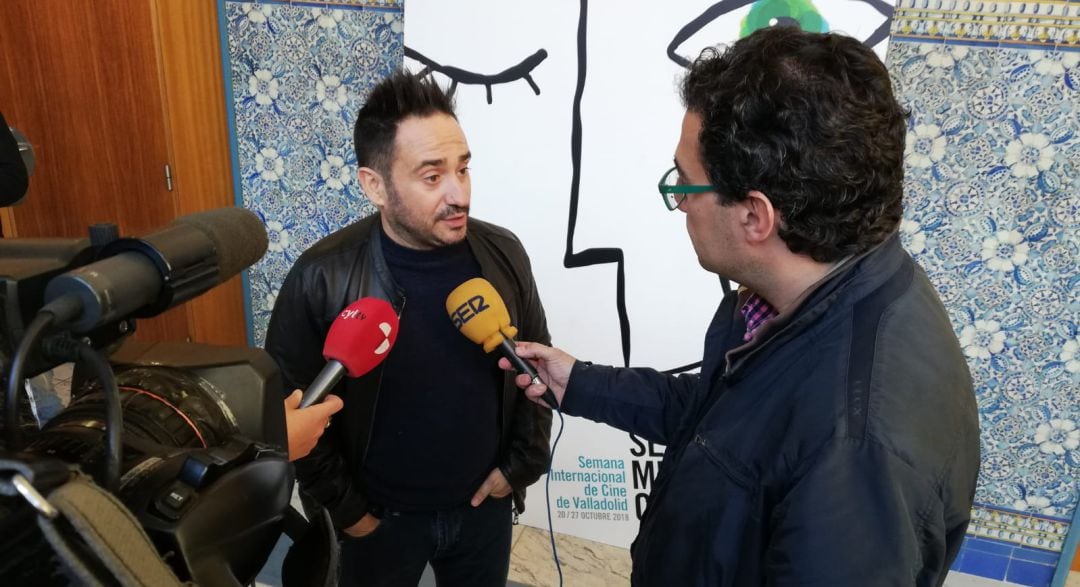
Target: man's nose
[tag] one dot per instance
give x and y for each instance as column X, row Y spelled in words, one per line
column 457, row 192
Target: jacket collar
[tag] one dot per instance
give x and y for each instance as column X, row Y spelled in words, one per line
column 850, row 280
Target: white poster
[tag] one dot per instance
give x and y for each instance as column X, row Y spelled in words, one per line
column 572, row 114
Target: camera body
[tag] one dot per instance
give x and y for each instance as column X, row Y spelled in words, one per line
column 204, row 467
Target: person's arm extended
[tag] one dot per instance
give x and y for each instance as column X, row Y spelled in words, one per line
column 306, row 425
column 294, row 339
column 644, row 402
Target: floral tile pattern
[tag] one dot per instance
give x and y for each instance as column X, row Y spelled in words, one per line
column 992, row 214
column 299, row 72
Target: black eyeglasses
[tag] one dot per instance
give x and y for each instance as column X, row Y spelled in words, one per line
column 674, row 191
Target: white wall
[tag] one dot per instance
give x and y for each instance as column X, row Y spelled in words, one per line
column 522, row 167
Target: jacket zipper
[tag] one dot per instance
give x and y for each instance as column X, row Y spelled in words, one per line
column 371, row 428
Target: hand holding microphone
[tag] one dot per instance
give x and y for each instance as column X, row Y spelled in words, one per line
column 359, row 339
column 553, row 365
column 306, row 425
column 478, row 312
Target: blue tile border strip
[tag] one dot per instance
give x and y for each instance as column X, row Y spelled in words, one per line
column 990, row 546
column 1029, row 573
column 1026, row 529
column 1006, row 561
column 989, row 23
column 982, row 564
column 987, row 44
column 389, row 5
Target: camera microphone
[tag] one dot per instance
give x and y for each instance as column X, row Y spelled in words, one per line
column 142, row 277
column 359, row 339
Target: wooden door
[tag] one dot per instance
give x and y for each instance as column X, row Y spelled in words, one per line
column 190, row 50
column 81, row 79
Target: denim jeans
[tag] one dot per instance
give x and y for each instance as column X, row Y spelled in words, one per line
column 466, row 546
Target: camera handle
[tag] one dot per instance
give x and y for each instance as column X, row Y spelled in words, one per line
column 89, row 529
column 28, row 476
column 100, row 540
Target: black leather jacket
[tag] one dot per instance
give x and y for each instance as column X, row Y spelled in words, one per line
column 348, row 265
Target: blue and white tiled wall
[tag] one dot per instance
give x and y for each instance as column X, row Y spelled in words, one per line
column 993, row 199
column 993, row 192
column 298, row 73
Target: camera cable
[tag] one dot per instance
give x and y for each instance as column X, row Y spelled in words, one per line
column 114, row 415
column 34, row 332
column 547, row 493
column 65, row 348
column 58, row 311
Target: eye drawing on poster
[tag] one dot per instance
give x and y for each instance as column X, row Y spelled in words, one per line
column 765, row 13
column 722, row 21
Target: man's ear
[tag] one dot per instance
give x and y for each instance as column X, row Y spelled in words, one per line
column 759, row 218
column 374, row 186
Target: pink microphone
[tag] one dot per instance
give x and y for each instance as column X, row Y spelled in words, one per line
column 359, row 339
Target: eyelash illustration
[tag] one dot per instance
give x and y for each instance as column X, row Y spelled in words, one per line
column 522, row 70
column 725, row 6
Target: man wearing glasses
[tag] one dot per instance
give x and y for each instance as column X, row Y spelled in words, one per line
column 831, row 437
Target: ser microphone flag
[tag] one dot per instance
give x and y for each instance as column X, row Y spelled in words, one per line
column 478, row 312
column 359, row 339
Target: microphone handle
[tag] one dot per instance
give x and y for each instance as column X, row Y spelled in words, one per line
column 327, row 379
column 523, row 366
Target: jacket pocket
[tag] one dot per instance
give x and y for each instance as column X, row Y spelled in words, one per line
column 706, row 529
column 379, row 530
column 735, row 471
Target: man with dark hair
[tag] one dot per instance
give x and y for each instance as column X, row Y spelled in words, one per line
column 434, row 449
column 831, row 437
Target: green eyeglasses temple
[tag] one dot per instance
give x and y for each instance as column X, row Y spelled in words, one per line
column 681, row 189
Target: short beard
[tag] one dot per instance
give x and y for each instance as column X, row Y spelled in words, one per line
column 416, row 235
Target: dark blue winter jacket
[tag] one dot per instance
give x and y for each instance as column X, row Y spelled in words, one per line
column 839, row 447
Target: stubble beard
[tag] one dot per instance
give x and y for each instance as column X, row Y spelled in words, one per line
column 415, row 230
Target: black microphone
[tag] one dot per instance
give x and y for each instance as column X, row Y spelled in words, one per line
column 142, row 277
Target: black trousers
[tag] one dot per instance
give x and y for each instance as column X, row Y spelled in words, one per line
column 466, row 546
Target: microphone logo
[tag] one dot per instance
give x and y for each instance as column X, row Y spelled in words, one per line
column 385, row 346
column 350, row 314
column 468, row 310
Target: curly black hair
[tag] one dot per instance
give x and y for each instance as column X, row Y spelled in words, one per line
column 809, row 120
column 399, row 96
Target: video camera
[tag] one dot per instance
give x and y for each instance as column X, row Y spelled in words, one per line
column 169, row 464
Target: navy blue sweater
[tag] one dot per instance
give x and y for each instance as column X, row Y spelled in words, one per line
column 435, row 435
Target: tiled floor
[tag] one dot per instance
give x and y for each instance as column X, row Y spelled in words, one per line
column 591, row 564
column 583, row 562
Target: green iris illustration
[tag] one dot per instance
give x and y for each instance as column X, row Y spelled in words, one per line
column 767, row 13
